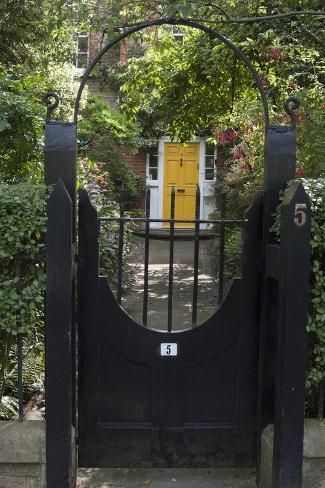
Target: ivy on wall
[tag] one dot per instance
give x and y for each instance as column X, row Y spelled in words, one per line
column 316, row 323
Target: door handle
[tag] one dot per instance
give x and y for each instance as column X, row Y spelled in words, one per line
column 181, row 190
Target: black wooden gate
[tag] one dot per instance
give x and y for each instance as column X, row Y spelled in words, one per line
column 198, row 397
column 185, row 398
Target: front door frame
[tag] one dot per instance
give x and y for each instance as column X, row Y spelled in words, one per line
column 158, row 185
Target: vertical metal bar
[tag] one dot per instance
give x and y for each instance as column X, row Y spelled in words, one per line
column 120, row 254
column 20, row 377
column 20, row 383
column 146, row 260
column 196, row 255
column 171, row 260
column 321, row 400
column 222, row 249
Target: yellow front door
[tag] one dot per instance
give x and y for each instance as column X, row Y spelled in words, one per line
column 181, row 171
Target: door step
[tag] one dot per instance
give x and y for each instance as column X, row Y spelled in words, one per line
column 180, row 234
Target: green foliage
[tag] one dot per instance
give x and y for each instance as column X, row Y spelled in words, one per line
column 182, row 88
column 101, row 123
column 37, row 44
column 22, row 278
column 233, row 248
column 21, row 126
column 106, row 134
column 95, row 179
column 22, row 227
column 41, row 30
column 316, row 324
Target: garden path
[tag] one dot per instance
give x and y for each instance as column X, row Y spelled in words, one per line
column 183, row 284
column 165, row 478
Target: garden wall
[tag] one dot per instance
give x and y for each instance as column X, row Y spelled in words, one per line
column 22, row 454
column 314, row 455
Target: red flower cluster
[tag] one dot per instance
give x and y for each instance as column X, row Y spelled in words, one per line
column 237, row 153
column 228, row 136
column 275, row 54
column 300, row 173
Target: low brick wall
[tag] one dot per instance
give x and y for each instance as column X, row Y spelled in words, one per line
column 314, row 455
column 22, row 454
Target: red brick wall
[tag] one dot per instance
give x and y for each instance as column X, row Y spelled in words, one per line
column 138, row 163
column 94, row 45
column 221, row 157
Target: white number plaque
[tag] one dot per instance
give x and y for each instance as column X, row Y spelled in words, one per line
column 168, row 349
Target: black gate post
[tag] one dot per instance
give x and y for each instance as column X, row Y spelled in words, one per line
column 291, row 347
column 280, row 165
column 61, row 155
column 60, row 451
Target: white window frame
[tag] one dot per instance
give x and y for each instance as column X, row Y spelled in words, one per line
column 148, row 167
column 214, row 162
column 82, row 35
column 178, row 34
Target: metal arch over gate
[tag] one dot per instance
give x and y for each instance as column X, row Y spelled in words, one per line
column 208, row 404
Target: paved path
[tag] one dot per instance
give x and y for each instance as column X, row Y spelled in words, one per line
column 183, row 285
column 166, row 478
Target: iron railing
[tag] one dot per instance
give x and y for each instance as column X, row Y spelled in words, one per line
column 122, row 220
column 17, row 264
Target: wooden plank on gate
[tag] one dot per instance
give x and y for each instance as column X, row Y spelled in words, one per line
column 58, row 358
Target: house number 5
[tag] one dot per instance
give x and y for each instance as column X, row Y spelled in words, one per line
column 300, row 214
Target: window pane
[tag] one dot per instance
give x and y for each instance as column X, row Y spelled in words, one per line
column 83, row 44
column 153, row 173
column 209, row 149
column 209, row 174
column 82, row 60
column 209, row 162
column 153, row 160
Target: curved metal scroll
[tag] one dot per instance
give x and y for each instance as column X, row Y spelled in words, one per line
column 51, row 100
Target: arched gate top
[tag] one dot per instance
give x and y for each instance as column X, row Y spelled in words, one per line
column 189, row 23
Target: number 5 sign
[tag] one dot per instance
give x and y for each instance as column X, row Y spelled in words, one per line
column 300, row 217
column 169, row 349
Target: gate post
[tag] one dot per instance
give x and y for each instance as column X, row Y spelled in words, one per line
column 60, row 153
column 294, row 260
column 60, row 449
column 280, row 165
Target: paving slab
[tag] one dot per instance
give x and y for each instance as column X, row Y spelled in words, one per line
column 182, row 285
column 166, row 478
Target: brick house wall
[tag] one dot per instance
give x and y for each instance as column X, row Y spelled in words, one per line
column 138, row 163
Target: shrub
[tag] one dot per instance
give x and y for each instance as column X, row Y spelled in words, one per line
column 22, row 226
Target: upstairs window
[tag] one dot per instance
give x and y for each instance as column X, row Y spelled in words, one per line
column 178, row 34
column 153, row 164
column 210, row 171
column 82, row 54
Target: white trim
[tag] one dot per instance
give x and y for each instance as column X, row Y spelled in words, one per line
column 82, row 35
